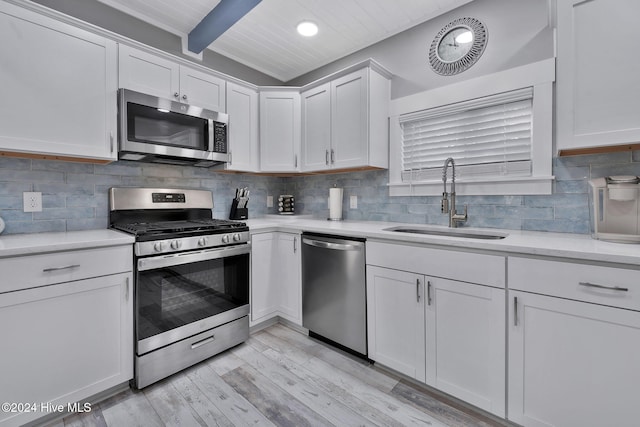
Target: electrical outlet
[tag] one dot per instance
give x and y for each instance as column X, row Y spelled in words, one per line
column 32, row 201
column 269, row 201
column 353, row 202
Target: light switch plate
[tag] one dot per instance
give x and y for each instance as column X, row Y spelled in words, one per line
column 353, row 202
column 269, row 201
column 32, row 201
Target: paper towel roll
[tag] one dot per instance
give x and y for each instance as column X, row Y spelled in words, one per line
column 335, row 204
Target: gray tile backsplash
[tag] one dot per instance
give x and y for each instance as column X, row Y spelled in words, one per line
column 75, row 194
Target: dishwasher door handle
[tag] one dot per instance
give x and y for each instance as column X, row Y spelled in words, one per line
column 330, row 245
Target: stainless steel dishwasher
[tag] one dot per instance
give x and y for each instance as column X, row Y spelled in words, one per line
column 334, row 302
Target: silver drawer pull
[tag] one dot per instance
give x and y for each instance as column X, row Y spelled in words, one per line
column 203, row 342
column 68, row 267
column 611, row 288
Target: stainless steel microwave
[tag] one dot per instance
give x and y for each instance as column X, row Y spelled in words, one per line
column 158, row 130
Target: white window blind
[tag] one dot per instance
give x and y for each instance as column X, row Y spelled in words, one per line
column 487, row 137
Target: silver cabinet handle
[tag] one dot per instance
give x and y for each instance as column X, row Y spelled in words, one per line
column 126, row 296
column 611, row 288
column 418, row 290
column 230, row 158
column 428, row 293
column 111, row 140
column 295, row 245
column 177, row 95
column 66, row 267
column 326, row 157
column 203, row 342
column 333, row 156
column 515, row 311
column 295, row 161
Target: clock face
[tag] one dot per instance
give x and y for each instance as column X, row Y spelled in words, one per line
column 455, row 44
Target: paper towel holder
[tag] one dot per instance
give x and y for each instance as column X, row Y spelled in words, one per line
column 335, row 204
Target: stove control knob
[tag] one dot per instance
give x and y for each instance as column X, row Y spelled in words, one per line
column 158, row 246
column 203, row 241
column 236, row 237
column 176, row 244
column 225, row 238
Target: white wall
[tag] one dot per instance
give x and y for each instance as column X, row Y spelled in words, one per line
column 520, row 32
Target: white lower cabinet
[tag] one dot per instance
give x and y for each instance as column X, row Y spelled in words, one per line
column 276, row 287
column 573, row 353
column 395, row 320
column 466, row 342
column 447, row 333
column 64, row 343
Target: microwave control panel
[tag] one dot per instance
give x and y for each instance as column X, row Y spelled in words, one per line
column 219, row 137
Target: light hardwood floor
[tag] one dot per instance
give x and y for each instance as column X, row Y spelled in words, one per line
column 280, row 377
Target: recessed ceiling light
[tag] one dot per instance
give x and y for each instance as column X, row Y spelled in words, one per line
column 307, row 28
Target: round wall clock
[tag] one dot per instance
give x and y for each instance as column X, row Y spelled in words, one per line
column 457, row 46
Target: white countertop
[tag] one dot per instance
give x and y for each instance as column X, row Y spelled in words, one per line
column 25, row 244
column 576, row 246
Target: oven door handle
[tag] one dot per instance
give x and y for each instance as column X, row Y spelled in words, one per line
column 153, row 263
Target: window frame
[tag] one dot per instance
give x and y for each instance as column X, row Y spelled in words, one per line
column 539, row 75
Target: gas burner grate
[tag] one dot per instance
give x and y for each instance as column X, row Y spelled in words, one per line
column 169, row 227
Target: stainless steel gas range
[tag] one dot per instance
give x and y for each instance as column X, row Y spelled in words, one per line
column 191, row 292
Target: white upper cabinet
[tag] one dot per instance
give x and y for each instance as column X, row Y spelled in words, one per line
column 151, row 74
column 279, row 130
column 598, row 95
column 242, row 107
column 344, row 122
column 59, row 87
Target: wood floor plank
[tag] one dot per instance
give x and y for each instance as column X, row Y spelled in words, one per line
column 347, row 363
column 171, row 406
column 448, row 411
column 234, row 406
column 389, row 405
column 313, row 397
column 94, row 418
column 281, row 346
column 224, row 362
column 352, row 401
column 131, row 409
column 208, row 412
column 276, row 404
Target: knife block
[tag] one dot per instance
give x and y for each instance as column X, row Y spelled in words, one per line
column 238, row 213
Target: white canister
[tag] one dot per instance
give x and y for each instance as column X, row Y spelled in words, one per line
column 335, row 204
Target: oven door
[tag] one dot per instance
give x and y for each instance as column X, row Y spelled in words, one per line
column 180, row 295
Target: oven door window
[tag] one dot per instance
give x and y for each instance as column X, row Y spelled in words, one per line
column 150, row 125
column 174, row 296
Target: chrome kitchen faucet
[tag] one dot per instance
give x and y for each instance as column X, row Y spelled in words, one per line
column 454, row 217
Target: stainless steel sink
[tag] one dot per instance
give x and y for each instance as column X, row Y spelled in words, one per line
column 453, row 232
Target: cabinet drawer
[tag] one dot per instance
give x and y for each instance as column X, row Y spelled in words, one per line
column 464, row 266
column 617, row 287
column 47, row 269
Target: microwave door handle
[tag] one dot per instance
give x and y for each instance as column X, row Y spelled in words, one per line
column 211, row 134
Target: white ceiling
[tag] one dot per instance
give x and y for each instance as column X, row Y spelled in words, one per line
column 266, row 40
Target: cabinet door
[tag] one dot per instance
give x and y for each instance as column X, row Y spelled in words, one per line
column 265, row 296
column 202, row 89
column 59, row 87
column 148, row 73
column 349, row 114
column 572, row 363
column 316, row 128
column 64, row 343
column 288, row 269
column 466, row 342
column 279, row 131
column 598, row 96
column 395, row 320
column 242, row 107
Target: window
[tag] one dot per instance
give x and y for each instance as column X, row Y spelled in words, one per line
column 487, row 137
column 496, row 127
